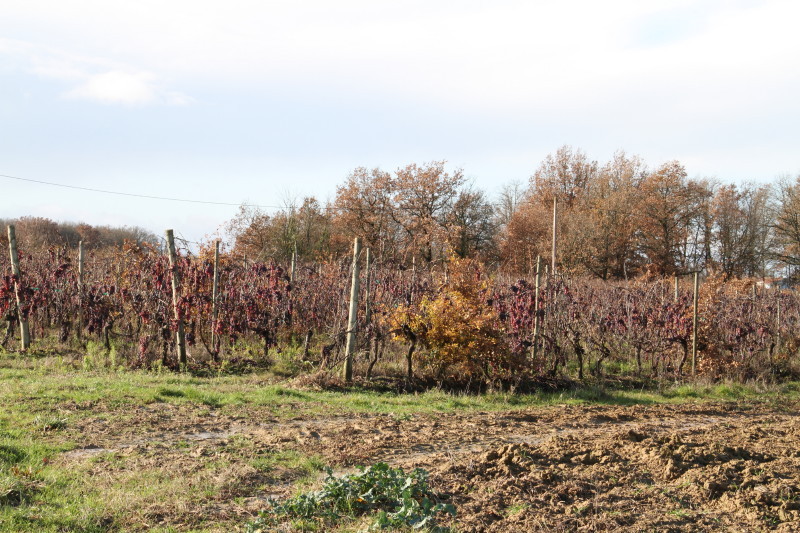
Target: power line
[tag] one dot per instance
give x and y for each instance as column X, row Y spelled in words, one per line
column 231, row 204
column 137, row 195
column 172, row 199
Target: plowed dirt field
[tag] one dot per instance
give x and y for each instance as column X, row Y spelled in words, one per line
column 698, row 467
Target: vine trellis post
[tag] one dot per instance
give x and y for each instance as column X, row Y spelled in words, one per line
column 293, row 264
column 25, row 334
column 81, row 258
column 536, row 307
column 352, row 320
column 694, row 323
column 180, row 336
column 214, row 297
column 367, row 295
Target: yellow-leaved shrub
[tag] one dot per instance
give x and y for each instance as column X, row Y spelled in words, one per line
column 460, row 332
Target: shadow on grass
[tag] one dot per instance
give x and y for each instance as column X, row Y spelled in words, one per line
column 11, row 455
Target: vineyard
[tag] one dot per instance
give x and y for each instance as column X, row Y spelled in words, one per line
column 226, row 443
column 453, row 322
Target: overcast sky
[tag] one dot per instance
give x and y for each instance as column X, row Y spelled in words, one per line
column 263, row 101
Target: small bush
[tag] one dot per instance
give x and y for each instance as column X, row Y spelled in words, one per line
column 461, row 331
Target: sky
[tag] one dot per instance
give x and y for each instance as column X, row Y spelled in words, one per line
column 265, row 102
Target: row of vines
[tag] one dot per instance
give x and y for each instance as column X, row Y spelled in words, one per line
column 454, row 321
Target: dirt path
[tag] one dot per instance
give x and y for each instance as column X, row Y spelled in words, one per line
column 717, row 467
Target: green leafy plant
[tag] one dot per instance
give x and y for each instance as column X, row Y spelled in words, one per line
column 395, row 500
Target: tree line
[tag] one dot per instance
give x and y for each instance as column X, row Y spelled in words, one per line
column 616, row 220
column 39, row 233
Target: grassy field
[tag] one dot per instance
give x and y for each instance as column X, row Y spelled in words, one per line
column 99, row 450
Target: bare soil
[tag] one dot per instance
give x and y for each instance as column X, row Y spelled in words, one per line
column 700, row 467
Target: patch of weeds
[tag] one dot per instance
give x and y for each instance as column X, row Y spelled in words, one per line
column 288, row 393
column 732, row 391
column 684, row 391
column 590, row 394
column 171, row 393
column 792, row 386
column 308, row 526
column 294, row 461
column 682, row 514
column 13, row 489
column 516, row 509
column 287, row 363
column 49, row 423
column 205, row 398
column 582, row 509
column 17, row 483
column 97, row 356
column 388, row 496
column 772, row 520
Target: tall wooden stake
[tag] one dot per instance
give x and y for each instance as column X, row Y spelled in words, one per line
column 294, row 264
column 536, row 307
column 694, row 325
column 676, row 287
column 80, row 263
column 367, row 302
column 778, row 325
column 214, row 296
column 25, row 334
column 176, row 280
column 555, row 226
column 81, row 258
column 352, row 320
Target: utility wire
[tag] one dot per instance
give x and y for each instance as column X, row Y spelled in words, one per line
column 136, row 195
column 211, row 202
column 171, row 199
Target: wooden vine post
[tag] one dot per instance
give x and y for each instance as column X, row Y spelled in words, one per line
column 694, row 324
column 80, row 263
column 778, row 325
column 25, row 334
column 676, row 288
column 294, row 264
column 176, row 280
column 367, row 303
column 352, row 320
column 81, row 257
column 536, row 306
column 555, row 228
column 214, row 296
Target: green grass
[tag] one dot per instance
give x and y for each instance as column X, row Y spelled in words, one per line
column 42, row 386
column 28, row 479
column 303, row 466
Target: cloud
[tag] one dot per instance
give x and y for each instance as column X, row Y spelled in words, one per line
column 116, row 87
column 92, row 78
